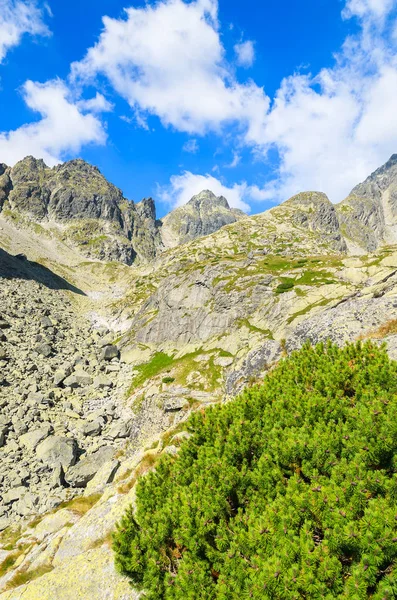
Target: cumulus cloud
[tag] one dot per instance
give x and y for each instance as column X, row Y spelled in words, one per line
column 245, row 54
column 98, row 104
column 183, row 187
column 332, row 129
column 63, row 127
column 18, row 17
column 167, row 60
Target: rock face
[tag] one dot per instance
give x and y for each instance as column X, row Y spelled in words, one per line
column 93, row 213
column 368, row 216
column 202, row 215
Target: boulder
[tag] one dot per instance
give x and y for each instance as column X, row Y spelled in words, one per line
column 78, row 379
column 85, row 470
column 109, row 352
column 104, row 476
column 44, row 349
column 119, row 430
column 14, row 494
column 101, row 382
column 55, row 451
column 33, row 438
column 92, row 428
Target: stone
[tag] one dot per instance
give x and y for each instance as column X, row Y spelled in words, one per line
column 110, row 352
column 14, row 494
column 3, row 433
column 103, row 477
column 33, row 438
column 92, row 428
column 102, row 382
column 78, row 379
column 82, row 472
column 44, row 349
column 175, row 404
column 55, row 451
column 119, row 430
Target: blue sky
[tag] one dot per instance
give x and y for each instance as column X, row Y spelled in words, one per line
column 255, row 100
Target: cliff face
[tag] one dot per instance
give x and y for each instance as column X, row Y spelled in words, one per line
column 89, row 211
column 368, row 216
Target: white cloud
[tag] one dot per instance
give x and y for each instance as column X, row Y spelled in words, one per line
column 183, row 187
column 245, row 54
column 236, row 161
column 63, row 128
column 167, row 60
column 367, row 8
column 97, row 104
column 191, row 146
column 18, row 17
column 332, row 130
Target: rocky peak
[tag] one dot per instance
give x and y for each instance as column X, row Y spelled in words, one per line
column 368, row 216
column 204, row 214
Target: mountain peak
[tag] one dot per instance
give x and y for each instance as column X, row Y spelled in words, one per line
column 204, row 214
column 207, row 199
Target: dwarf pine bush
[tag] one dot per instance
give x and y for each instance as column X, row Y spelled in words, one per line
column 290, row 491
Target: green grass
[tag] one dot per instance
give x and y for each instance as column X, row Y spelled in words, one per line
column 285, row 286
column 158, row 363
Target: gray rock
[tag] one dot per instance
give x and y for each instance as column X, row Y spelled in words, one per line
column 119, row 430
column 92, row 428
column 104, row 476
column 14, row 494
column 175, row 404
column 109, row 352
column 33, row 438
column 81, row 473
column 55, row 451
column 102, row 382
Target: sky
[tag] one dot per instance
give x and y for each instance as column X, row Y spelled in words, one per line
column 254, row 100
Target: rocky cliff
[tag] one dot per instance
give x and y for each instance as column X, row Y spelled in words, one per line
column 101, row 363
column 202, row 215
column 368, row 216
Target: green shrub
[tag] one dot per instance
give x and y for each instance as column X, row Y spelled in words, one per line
column 284, row 286
column 168, row 379
column 290, row 491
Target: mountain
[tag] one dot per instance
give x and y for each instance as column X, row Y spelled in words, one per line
column 78, row 205
column 368, row 216
column 107, row 345
column 202, row 215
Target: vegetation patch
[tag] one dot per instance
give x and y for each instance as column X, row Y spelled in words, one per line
column 25, row 576
column 287, row 492
column 147, row 370
column 388, row 328
column 80, row 505
column 285, row 286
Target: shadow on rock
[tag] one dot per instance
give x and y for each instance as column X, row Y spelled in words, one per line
column 19, row 267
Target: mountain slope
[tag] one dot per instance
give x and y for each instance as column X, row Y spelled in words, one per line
column 194, row 324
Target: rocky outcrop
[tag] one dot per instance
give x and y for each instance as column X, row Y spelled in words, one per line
column 368, row 216
column 315, row 212
column 202, row 215
column 90, row 212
